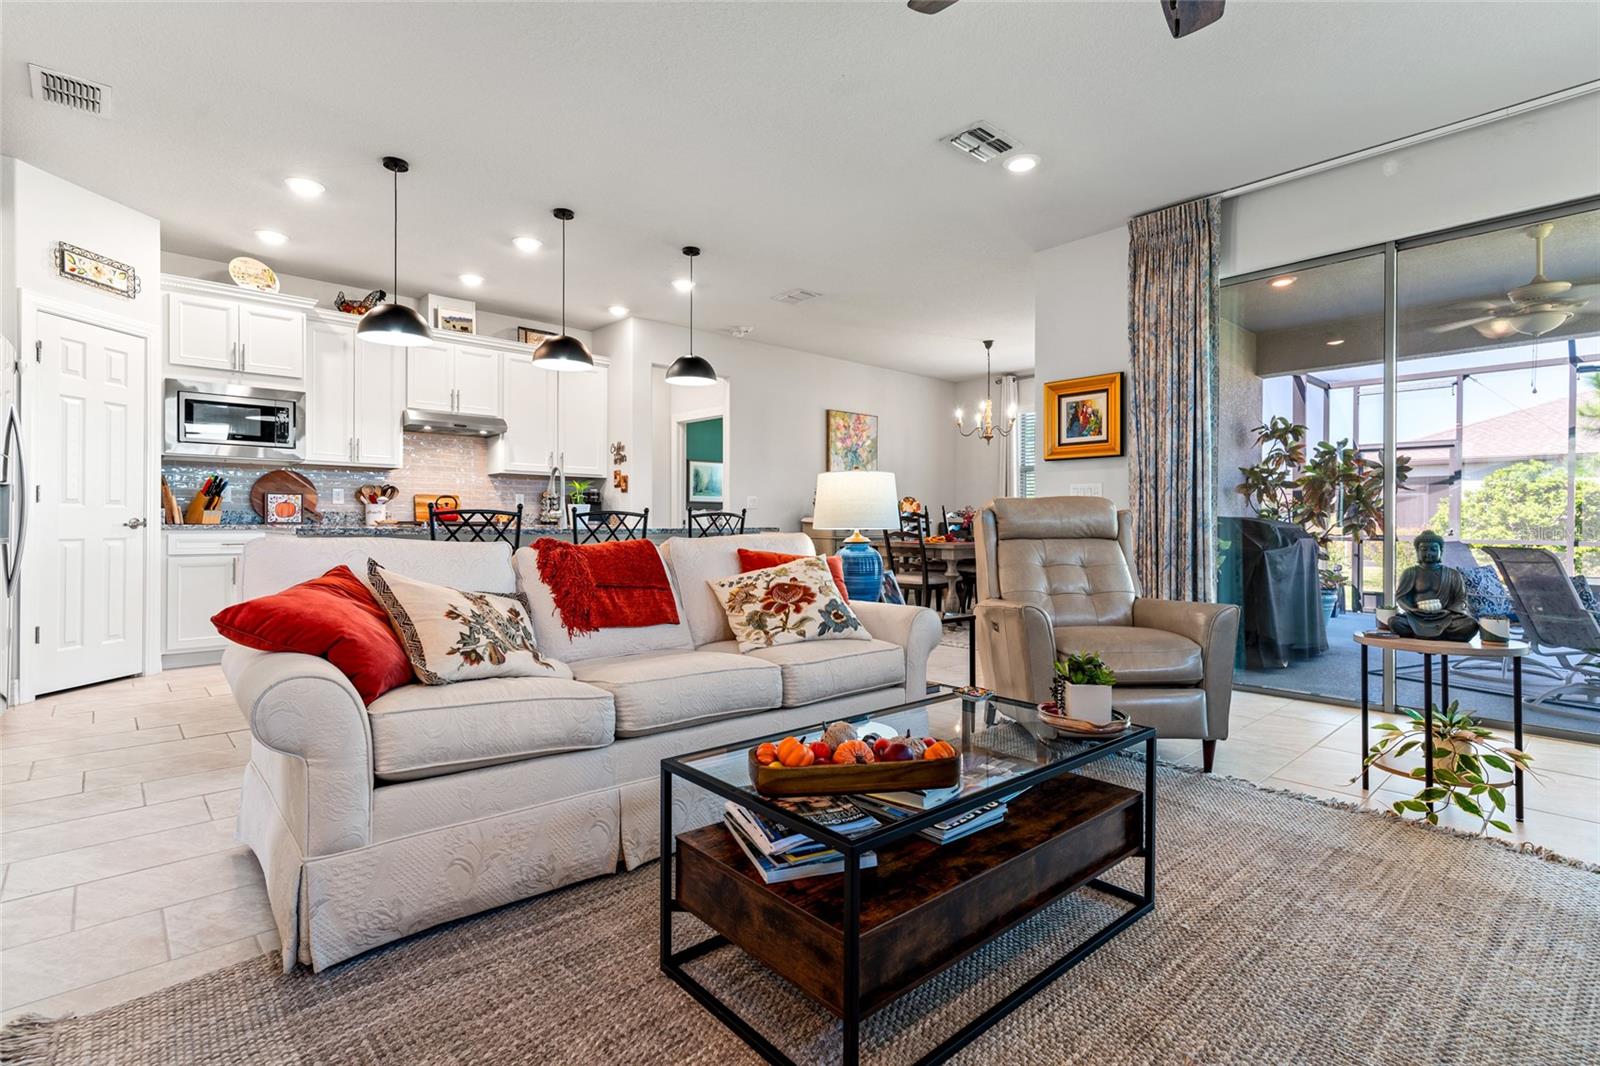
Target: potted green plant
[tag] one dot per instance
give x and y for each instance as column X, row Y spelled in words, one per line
column 1495, row 627
column 1466, row 757
column 1331, row 578
column 1082, row 688
column 578, row 495
column 1385, row 612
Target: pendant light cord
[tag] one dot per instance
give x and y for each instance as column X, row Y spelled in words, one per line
column 396, row 236
column 691, row 306
column 563, row 277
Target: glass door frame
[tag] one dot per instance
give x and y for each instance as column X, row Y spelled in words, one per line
column 1390, row 250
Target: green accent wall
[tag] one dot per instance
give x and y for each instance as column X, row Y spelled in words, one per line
column 702, row 441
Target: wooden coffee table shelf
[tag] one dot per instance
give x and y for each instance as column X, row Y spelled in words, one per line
column 924, row 906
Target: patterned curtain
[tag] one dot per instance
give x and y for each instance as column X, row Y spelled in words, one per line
column 1172, row 337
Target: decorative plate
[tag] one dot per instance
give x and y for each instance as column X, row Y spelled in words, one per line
column 1078, row 727
column 248, row 273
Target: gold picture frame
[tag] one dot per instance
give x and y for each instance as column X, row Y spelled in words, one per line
column 1083, row 417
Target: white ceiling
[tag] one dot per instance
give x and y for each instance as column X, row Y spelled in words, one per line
column 799, row 144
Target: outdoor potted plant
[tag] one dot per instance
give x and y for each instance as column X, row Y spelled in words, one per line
column 1082, row 688
column 1384, row 613
column 1331, row 578
column 1495, row 628
column 578, row 495
column 1466, row 759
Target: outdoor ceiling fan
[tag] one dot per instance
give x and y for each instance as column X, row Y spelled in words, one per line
column 1531, row 310
column 1183, row 16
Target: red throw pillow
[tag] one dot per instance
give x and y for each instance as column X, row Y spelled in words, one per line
column 334, row 617
column 754, row 560
column 618, row 584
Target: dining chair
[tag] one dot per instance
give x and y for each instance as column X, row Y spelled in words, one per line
column 905, row 550
column 967, row 569
column 716, row 523
column 591, row 527
column 469, row 524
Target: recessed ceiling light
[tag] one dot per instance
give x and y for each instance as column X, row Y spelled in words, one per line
column 471, row 281
column 1283, row 282
column 527, row 245
column 1021, row 164
column 618, row 311
column 682, row 284
column 270, row 236
column 1335, row 342
column 305, row 188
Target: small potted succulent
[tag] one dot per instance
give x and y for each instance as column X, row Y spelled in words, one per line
column 1082, row 688
column 1471, row 766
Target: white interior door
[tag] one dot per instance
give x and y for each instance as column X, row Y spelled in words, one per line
column 84, row 588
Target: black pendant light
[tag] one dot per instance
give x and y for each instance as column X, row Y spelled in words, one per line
column 394, row 323
column 563, row 352
column 691, row 369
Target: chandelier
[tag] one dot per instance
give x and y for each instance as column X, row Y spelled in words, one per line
column 983, row 421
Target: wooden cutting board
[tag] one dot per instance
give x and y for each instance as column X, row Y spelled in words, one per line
column 419, row 503
column 283, row 481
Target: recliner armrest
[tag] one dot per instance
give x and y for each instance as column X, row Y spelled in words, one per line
column 1016, row 649
column 1213, row 626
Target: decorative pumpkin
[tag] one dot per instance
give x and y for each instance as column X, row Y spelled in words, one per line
column 838, row 733
column 853, row 751
column 939, row 749
column 792, row 752
column 767, row 754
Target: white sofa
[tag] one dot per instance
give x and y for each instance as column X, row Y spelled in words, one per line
column 372, row 823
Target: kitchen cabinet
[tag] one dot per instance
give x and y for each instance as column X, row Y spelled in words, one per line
column 231, row 331
column 354, row 394
column 550, row 414
column 463, row 378
column 202, row 577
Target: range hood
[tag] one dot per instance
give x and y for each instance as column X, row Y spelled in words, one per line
column 415, row 420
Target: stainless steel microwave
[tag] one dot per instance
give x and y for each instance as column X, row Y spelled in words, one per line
column 239, row 422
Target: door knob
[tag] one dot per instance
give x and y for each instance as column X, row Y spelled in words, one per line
column 134, row 523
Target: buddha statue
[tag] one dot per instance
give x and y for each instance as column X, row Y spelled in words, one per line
column 1432, row 597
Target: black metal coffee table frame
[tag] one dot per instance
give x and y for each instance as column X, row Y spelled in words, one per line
column 672, row 962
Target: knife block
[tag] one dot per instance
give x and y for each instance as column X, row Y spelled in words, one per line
column 197, row 515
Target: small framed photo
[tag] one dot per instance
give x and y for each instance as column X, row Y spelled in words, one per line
column 285, row 508
column 456, row 316
column 96, row 270
column 535, row 337
column 1083, row 417
column 705, row 482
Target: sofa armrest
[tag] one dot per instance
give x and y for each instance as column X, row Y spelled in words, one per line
column 317, row 757
column 1016, row 649
column 916, row 629
column 1213, row 626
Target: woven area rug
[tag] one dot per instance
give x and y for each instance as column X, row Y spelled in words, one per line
column 1286, row 931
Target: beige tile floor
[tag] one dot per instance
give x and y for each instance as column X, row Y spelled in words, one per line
column 119, row 874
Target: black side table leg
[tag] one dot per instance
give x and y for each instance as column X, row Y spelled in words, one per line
column 1427, row 717
column 1444, row 681
column 1516, row 721
column 972, row 652
column 666, row 867
column 1365, row 784
column 850, row 1053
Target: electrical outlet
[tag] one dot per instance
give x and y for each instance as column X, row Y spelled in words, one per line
column 336, row 495
column 750, row 503
column 1086, row 488
column 519, row 499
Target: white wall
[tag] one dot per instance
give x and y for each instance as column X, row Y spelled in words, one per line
column 1533, row 160
column 776, row 403
column 1081, row 327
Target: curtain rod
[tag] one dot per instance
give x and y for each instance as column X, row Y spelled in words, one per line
column 1535, row 104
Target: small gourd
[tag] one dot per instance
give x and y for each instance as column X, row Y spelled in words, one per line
column 838, row 733
column 853, row 751
column 792, row 752
column 767, row 753
column 914, row 745
column 939, row 749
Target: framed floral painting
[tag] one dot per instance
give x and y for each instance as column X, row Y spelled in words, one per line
column 1083, row 417
column 852, row 441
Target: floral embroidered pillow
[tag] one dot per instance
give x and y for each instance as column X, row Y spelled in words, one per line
column 787, row 604
column 450, row 635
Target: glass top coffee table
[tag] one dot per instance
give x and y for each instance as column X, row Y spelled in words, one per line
column 856, row 941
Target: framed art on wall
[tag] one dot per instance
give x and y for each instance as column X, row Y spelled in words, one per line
column 705, row 482
column 1083, row 417
column 852, row 441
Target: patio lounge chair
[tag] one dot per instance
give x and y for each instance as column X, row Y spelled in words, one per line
column 1554, row 621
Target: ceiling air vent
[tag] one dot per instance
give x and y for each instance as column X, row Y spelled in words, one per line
column 796, row 296
column 982, row 142
column 54, row 87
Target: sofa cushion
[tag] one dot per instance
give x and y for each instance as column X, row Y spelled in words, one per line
column 427, row 730
column 694, row 562
column 656, row 691
column 272, row 564
column 558, row 644
column 820, row 670
column 1137, row 656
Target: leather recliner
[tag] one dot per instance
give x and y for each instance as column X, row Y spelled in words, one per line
column 1055, row 576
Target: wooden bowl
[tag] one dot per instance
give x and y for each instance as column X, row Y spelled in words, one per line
column 1078, row 728
column 836, row 779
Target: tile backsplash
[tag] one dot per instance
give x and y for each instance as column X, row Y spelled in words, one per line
column 434, row 463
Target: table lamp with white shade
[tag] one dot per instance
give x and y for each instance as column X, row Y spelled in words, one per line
column 857, row 500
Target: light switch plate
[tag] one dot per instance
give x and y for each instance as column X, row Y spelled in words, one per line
column 1085, row 488
column 750, row 503
column 519, row 499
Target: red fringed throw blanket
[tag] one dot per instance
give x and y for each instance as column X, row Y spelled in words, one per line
column 616, row 585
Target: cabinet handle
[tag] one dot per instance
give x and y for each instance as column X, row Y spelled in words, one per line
column 233, row 356
column 358, row 449
column 235, row 571
column 241, row 356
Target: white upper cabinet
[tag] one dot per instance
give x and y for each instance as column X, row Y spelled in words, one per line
column 380, row 393
column 431, row 377
column 272, row 340
column 528, row 445
column 330, row 393
column 477, row 380
column 203, row 332
column 234, row 332
column 582, row 442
